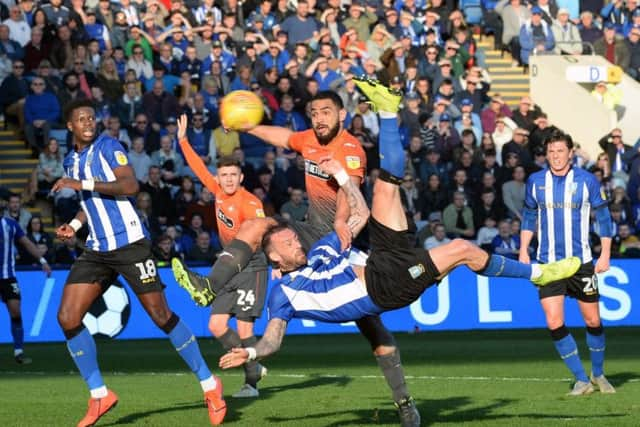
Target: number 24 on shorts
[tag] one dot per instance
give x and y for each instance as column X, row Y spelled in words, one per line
column 246, row 298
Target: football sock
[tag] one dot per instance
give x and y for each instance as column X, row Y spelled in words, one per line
column 231, row 261
column 187, row 347
column 499, row 266
column 17, row 332
column 208, row 384
column 392, row 157
column 229, row 340
column 596, row 344
column 568, row 351
column 82, row 348
column 394, row 374
column 251, row 368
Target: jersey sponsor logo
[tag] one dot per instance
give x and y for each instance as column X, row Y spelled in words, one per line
column 353, row 162
column 416, row 271
column 225, row 219
column 121, row 158
column 603, row 193
column 259, row 213
column 562, row 205
column 313, row 169
column 349, row 144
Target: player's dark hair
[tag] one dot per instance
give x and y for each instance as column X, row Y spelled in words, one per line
column 330, row 95
column 559, row 136
column 74, row 105
column 266, row 240
column 228, row 161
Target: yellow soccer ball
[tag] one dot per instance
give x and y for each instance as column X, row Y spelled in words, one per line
column 241, row 109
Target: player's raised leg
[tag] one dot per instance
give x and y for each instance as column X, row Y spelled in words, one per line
column 387, row 209
column 596, row 343
column 185, row 343
column 76, row 300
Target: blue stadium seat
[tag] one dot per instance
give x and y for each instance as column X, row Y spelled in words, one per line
column 472, row 10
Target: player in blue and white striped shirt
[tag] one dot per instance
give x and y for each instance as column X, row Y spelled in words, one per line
column 558, row 205
column 10, row 234
column 117, row 244
column 327, row 285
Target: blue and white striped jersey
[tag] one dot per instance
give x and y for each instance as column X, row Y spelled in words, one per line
column 326, row 289
column 113, row 221
column 10, row 233
column 564, row 204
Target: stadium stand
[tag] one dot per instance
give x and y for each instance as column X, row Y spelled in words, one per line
column 144, row 64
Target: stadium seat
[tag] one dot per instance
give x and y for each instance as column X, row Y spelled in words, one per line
column 472, row 10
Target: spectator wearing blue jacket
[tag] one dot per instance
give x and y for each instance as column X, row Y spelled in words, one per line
column 226, row 59
column 287, row 117
column 320, row 72
column 616, row 13
column 263, row 14
column 276, row 57
column 41, row 110
column 535, row 34
column 8, row 47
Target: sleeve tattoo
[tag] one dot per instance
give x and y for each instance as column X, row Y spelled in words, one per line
column 272, row 338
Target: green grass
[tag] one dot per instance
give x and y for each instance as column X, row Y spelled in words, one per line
column 503, row 378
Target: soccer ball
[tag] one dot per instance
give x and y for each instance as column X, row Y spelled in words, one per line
column 109, row 313
column 241, row 109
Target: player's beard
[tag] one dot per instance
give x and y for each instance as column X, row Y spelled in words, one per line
column 326, row 139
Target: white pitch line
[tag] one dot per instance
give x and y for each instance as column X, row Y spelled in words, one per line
column 361, row 377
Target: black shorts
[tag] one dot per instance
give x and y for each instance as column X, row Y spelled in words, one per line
column 243, row 297
column 396, row 272
column 9, row 289
column 582, row 286
column 134, row 262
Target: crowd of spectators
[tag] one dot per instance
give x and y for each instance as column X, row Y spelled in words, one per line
column 144, row 63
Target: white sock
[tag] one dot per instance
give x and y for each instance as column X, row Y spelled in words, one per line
column 17, row 352
column 99, row 393
column 208, row 384
column 387, row 115
column 536, row 271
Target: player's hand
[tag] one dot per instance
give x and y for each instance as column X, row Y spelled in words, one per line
column 344, row 234
column 276, row 274
column 602, row 265
column 234, row 358
column 71, row 183
column 65, row 232
column 329, row 165
column 182, row 126
column 524, row 257
column 47, row 269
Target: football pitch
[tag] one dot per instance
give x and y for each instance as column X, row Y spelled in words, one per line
column 478, row 378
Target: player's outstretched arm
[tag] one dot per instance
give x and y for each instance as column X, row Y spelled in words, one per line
column 125, row 184
column 274, row 135
column 193, row 159
column 268, row 344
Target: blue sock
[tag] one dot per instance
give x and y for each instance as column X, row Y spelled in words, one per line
column 391, row 151
column 568, row 351
column 187, row 347
column 501, row 266
column 17, row 332
column 82, row 348
column 596, row 347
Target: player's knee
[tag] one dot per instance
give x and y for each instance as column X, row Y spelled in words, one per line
column 383, row 350
column 217, row 327
column 463, row 249
column 592, row 321
column 68, row 319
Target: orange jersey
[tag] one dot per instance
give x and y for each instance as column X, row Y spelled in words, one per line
column 322, row 188
column 231, row 210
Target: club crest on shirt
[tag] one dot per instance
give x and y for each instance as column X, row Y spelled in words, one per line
column 259, row 213
column 225, row 219
column 353, row 162
column 603, row 193
column 121, row 158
